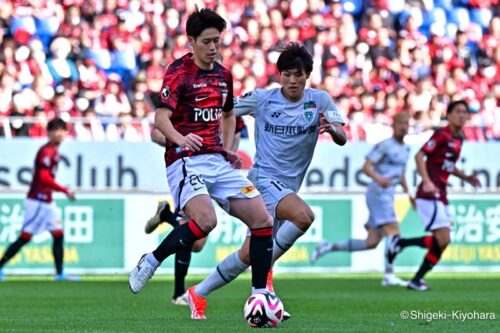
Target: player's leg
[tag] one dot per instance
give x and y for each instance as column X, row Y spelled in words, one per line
column 390, row 230
column 435, row 218
column 163, row 214
column 12, row 250
column 182, row 262
column 203, row 220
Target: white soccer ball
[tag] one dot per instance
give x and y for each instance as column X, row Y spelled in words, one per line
column 263, row 310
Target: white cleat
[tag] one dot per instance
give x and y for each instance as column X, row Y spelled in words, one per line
column 155, row 220
column 286, row 315
column 418, row 285
column 140, row 275
column 393, row 280
column 323, row 248
column 181, row 300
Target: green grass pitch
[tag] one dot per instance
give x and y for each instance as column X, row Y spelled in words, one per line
column 318, row 303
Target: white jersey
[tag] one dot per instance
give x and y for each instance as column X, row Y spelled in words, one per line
column 286, row 132
column 389, row 158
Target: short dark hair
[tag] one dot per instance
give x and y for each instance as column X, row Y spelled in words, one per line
column 295, row 56
column 56, row 124
column 204, row 19
column 453, row 104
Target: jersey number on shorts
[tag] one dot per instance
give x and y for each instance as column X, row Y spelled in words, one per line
column 279, row 185
column 196, row 182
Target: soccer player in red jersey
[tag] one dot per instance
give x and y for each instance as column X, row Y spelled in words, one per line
column 196, row 108
column 435, row 162
column 39, row 210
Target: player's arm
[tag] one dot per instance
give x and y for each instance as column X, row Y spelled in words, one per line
column 331, row 120
column 46, row 179
column 428, row 185
column 190, row 142
column 471, row 179
column 369, row 170
column 158, row 138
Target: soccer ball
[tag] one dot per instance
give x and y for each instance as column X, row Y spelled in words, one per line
column 263, row 310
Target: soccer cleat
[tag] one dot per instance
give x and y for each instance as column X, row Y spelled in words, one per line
column 141, row 274
column 417, row 285
column 181, row 300
column 155, row 221
column 197, row 304
column 269, row 281
column 393, row 280
column 286, row 315
column 392, row 248
column 323, row 248
column 66, row 277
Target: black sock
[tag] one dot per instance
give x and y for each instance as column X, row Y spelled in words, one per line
column 58, row 253
column 181, row 237
column 261, row 253
column 166, row 215
column 431, row 259
column 12, row 250
column 425, row 242
column 182, row 260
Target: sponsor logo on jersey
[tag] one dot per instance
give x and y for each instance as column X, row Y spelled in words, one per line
column 165, row 92
column 222, row 84
column 199, row 85
column 207, row 114
column 200, row 98
column 248, row 189
column 430, row 144
column 275, row 114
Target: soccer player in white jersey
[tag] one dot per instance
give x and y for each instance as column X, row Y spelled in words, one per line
column 288, row 121
column 386, row 165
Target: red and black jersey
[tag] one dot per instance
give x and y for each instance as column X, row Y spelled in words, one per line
column 197, row 99
column 442, row 151
column 43, row 182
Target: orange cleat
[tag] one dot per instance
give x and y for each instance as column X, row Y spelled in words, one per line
column 197, row 304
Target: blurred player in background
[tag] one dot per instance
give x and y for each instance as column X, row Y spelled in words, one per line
column 196, row 102
column 39, row 210
column 435, row 162
column 288, row 121
column 386, row 165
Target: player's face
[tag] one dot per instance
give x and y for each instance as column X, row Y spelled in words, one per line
column 206, row 48
column 400, row 128
column 458, row 116
column 293, row 83
column 57, row 136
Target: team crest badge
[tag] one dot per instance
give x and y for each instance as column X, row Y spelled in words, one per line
column 309, row 116
column 165, row 92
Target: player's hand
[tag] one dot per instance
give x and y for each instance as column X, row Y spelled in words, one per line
column 71, row 195
column 412, row 201
column 191, row 142
column 234, row 159
column 430, row 187
column 325, row 125
column 383, row 181
column 473, row 180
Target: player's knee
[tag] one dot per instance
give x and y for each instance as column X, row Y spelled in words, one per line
column 207, row 223
column 371, row 245
column 304, row 219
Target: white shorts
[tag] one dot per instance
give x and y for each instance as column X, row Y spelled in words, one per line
column 381, row 207
column 272, row 191
column 39, row 216
column 207, row 174
column 434, row 214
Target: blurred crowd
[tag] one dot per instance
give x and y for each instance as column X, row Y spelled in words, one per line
column 100, row 63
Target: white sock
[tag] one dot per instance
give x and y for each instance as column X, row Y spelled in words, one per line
column 259, row 290
column 226, row 271
column 287, row 234
column 152, row 260
column 389, row 267
column 351, row 245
